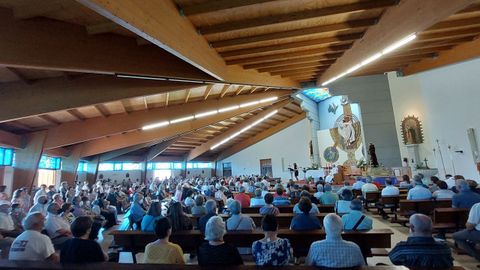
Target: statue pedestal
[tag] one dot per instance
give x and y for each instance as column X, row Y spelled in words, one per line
column 414, row 153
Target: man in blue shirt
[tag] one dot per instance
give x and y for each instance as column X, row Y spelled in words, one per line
column 328, row 197
column 211, row 208
column 305, row 221
column 466, row 198
column 421, row 250
column 355, row 216
column 419, row 191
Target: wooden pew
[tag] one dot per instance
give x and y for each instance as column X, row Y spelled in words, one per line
column 323, row 208
column 450, row 218
column 371, row 197
column 391, row 203
column 283, row 219
column 426, row 207
column 136, row 241
column 33, row 265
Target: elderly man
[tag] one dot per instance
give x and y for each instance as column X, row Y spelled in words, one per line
column 466, row 198
column 32, row 245
column 42, row 191
column 319, row 192
column 356, row 220
column 40, row 205
column 334, row 252
column 358, row 184
column 419, row 191
column 238, row 221
column 57, row 227
column 211, row 209
column 369, row 186
column 390, row 189
column 421, row 250
column 468, row 238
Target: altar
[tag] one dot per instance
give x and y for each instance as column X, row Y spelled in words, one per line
column 315, row 174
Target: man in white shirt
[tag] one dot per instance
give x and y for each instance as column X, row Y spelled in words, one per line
column 468, row 238
column 450, row 181
column 40, row 205
column 389, row 189
column 368, row 187
column 41, row 192
column 57, row 227
column 32, row 245
column 6, row 221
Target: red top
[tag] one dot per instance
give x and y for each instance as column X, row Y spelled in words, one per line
column 243, row 198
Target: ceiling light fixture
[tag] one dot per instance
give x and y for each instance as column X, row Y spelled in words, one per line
column 244, row 129
column 374, row 57
column 204, row 114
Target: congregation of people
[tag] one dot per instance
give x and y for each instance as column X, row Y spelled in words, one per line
column 63, row 224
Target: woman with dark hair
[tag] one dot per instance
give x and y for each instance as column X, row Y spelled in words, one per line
column 80, row 249
column 343, row 206
column 405, row 182
column 154, row 213
column 305, row 221
column 443, row 192
column 271, row 250
column 179, row 220
column 163, row 251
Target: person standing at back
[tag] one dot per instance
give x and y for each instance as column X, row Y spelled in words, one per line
column 80, row 249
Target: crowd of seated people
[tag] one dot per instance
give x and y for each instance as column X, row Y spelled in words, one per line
column 64, row 222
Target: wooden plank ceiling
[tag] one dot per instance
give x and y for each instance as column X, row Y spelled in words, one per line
column 291, row 39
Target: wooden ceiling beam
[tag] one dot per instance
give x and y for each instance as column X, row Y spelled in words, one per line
column 217, row 5
column 102, row 110
column 449, row 33
column 292, row 45
column 293, row 55
column 208, row 90
column 459, row 53
column 9, row 139
column 187, row 95
column 102, row 145
column 224, row 90
column 162, row 25
column 158, row 149
column 101, row 28
column 239, row 90
column 295, row 16
column 297, row 66
column 75, row 132
column 469, row 22
column 36, row 98
column 123, row 151
column 392, row 27
column 27, row 11
column 298, row 71
column 77, row 114
column 200, row 150
column 67, row 47
column 308, row 59
column 259, row 137
column 49, row 119
column 308, row 31
column 19, row 75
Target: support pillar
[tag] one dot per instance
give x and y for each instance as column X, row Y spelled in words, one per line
column 92, row 170
column 27, row 159
column 70, row 165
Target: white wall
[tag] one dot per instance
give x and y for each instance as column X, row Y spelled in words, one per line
column 290, row 144
column 448, row 101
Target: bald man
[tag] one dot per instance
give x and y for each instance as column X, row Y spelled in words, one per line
column 421, row 250
column 334, row 252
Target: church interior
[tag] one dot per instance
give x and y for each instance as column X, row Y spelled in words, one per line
column 117, row 107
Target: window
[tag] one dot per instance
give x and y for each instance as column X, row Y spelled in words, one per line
column 117, row 166
column 177, row 165
column 199, row 165
column 131, row 166
column 105, row 167
column 227, row 169
column 50, row 163
column 6, row 156
column 82, row 166
column 47, row 177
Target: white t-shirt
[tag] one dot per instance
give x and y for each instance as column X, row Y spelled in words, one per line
column 6, row 222
column 55, row 223
column 443, row 194
column 450, row 182
column 474, row 216
column 31, row 246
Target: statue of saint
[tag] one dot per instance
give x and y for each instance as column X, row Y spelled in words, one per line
column 373, row 155
column 347, row 130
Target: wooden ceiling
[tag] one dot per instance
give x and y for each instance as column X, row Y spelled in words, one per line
column 61, row 60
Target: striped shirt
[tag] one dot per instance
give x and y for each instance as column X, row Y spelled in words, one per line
column 422, row 252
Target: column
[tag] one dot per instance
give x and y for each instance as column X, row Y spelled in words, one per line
column 27, row 159
column 92, row 169
column 70, row 165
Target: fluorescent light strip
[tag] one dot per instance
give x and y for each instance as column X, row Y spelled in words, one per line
column 374, row 57
column 183, row 119
column 200, row 115
column 244, row 129
column 156, row 125
column 204, row 114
